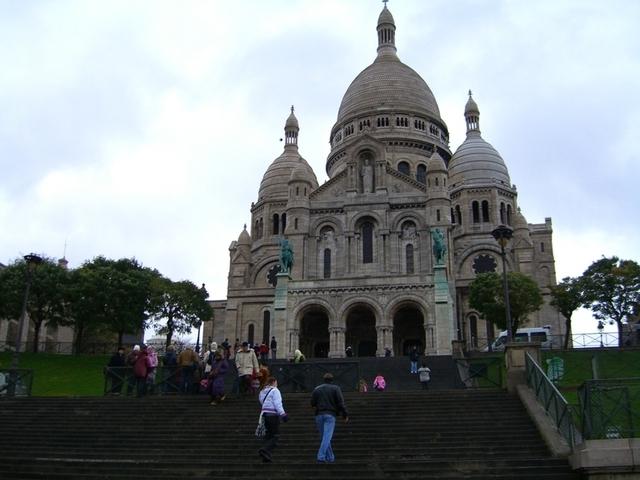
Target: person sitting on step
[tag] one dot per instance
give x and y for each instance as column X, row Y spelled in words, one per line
column 379, row 383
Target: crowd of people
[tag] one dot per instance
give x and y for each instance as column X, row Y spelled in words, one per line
column 189, row 371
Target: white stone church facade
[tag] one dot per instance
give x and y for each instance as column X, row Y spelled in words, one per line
column 364, row 272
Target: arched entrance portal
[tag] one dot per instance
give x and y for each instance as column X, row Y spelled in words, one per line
column 361, row 332
column 314, row 333
column 408, row 330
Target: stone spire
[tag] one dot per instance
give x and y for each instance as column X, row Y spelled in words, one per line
column 472, row 115
column 291, row 129
column 386, row 33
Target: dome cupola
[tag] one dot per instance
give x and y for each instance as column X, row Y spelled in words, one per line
column 274, row 185
column 386, row 32
column 244, row 238
column 476, row 162
column 291, row 129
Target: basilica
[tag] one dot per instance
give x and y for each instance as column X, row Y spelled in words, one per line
column 384, row 250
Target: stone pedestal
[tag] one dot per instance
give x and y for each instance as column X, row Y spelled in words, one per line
column 280, row 328
column 440, row 335
column 514, row 355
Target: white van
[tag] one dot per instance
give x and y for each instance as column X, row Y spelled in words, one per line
column 541, row 335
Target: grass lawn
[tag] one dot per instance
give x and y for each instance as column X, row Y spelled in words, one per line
column 62, row 375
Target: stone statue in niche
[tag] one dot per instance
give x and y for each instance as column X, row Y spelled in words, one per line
column 408, row 231
column 367, row 176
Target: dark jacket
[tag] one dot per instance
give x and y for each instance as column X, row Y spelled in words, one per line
column 117, row 360
column 414, row 355
column 327, row 398
column 170, row 359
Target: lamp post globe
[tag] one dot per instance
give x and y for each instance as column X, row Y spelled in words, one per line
column 503, row 234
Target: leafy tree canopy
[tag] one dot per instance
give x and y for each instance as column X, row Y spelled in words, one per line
column 567, row 297
column 612, row 290
column 486, row 295
column 47, row 295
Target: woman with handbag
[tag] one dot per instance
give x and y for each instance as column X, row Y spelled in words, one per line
column 271, row 413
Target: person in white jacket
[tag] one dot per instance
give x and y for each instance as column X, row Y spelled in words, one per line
column 272, row 412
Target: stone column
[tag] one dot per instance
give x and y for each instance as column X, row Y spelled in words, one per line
column 336, row 342
column 293, row 341
column 385, row 339
column 280, row 318
column 444, row 320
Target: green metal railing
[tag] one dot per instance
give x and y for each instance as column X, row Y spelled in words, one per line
column 610, row 408
column 16, row 382
column 481, row 372
column 552, row 401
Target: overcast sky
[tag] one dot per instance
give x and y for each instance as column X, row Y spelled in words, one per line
column 143, row 128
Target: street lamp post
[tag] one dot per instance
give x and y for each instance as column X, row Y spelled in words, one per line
column 503, row 234
column 600, row 328
column 32, row 260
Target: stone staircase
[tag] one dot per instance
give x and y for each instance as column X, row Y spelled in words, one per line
column 444, row 434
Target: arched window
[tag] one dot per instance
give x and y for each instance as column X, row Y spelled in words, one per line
column 283, row 220
column 251, row 334
column 502, row 213
column 403, row 167
column 256, row 230
column 276, row 224
column 459, row 214
column 436, row 181
column 266, row 326
column 453, row 216
column 367, row 242
column 485, row 211
column 437, row 215
column 409, row 258
column 421, row 173
column 295, row 224
column 327, row 263
column 508, row 214
column 475, row 212
column 297, row 191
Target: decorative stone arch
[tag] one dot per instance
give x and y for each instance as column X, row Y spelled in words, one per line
column 259, row 269
column 320, row 223
column 313, row 318
column 358, row 219
column 409, row 325
column 249, row 332
column 396, row 225
column 482, row 248
column 361, row 317
column 311, row 303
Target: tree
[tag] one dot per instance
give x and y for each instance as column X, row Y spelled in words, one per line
column 486, row 295
column 612, row 290
column 567, row 297
column 46, row 303
column 177, row 307
column 111, row 294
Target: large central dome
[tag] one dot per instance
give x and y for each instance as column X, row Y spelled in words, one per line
column 388, row 84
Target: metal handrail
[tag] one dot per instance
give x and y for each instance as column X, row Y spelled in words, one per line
column 552, row 401
column 16, row 382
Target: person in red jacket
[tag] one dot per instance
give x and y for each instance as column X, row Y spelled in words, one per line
column 140, row 371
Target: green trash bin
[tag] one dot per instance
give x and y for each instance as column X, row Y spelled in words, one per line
column 555, row 369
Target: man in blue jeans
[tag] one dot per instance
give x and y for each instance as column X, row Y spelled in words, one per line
column 328, row 402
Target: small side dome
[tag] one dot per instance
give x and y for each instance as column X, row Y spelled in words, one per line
column 436, row 163
column 302, row 174
column 476, row 162
column 244, row 238
column 519, row 222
